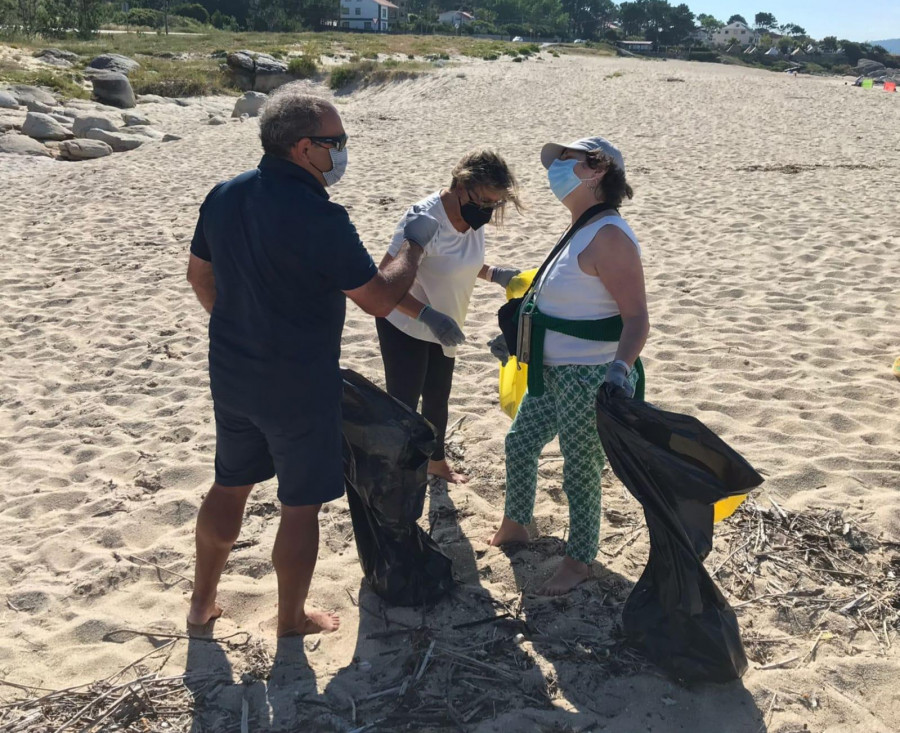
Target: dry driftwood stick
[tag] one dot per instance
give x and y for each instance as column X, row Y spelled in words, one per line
column 481, row 621
column 425, row 662
column 122, row 671
column 454, row 427
column 137, row 559
column 167, row 635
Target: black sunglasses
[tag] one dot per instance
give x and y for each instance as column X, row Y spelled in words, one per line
column 339, row 142
column 487, row 206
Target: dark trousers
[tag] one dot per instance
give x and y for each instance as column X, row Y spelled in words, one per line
column 415, row 369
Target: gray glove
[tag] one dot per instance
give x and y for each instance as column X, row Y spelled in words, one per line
column 500, row 349
column 420, row 227
column 502, row 275
column 442, row 326
column 616, row 383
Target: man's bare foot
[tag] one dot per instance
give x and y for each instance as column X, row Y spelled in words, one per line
column 569, row 574
column 200, row 614
column 313, row 621
column 509, row 531
column 442, row 469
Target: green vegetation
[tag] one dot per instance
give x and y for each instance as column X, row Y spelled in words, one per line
column 367, row 73
column 302, row 67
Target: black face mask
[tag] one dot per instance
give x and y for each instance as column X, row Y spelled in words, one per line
column 474, row 215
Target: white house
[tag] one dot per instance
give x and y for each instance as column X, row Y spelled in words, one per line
column 456, row 18
column 368, row 15
column 736, row 31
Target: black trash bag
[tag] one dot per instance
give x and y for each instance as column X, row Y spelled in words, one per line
column 677, row 468
column 386, row 450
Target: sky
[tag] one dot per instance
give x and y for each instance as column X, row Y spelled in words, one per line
column 858, row 20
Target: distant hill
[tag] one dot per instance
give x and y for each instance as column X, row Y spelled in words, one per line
column 892, row 45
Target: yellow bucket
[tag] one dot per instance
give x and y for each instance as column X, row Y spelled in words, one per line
column 896, row 369
column 514, row 383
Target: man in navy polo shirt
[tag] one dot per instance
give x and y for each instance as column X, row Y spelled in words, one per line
column 271, row 260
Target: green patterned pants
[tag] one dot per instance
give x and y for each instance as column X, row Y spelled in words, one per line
column 567, row 409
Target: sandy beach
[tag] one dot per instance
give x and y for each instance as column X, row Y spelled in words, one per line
column 772, row 256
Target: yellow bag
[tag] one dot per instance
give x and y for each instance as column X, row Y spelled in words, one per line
column 513, row 377
column 514, row 383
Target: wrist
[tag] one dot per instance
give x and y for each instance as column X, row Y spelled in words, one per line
column 422, row 312
column 624, row 364
column 489, row 275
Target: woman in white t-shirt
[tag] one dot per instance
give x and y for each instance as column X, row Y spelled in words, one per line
column 419, row 338
column 596, row 281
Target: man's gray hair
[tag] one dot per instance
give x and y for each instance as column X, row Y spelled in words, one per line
column 290, row 115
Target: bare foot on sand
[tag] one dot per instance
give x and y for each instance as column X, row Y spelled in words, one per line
column 200, row 614
column 509, row 531
column 442, row 469
column 313, row 621
column 569, row 574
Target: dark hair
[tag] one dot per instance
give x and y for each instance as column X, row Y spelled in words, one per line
column 613, row 189
column 289, row 116
column 484, row 168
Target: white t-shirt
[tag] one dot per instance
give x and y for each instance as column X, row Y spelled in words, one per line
column 446, row 275
column 567, row 292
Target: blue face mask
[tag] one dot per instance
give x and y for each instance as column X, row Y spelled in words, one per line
column 562, row 178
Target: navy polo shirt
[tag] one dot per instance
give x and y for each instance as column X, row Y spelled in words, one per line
column 282, row 254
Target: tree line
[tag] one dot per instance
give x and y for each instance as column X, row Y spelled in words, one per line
column 658, row 21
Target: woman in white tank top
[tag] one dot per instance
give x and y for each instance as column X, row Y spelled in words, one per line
column 598, row 275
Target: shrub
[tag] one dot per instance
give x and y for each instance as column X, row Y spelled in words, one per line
column 519, row 59
column 708, row 56
column 343, row 76
column 302, row 67
column 143, row 17
column 490, row 57
column 224, row 22
column 192, row 10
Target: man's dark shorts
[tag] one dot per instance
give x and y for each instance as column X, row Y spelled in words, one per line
column 303, row 450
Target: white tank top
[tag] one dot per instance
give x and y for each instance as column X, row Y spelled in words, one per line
column 565, row 291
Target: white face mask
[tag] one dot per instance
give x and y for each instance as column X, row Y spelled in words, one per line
column 338, row 166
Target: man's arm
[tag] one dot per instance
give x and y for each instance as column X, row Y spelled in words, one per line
column 383, row 292
column 200, row 276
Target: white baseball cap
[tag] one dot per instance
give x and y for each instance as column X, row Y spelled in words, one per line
column 552, row 151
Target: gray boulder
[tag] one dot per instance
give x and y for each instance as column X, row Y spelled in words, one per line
column 132, row 118
column 153, row 99
column 115, row 63
column 114, row 89
column 270, row 74
column 24, row 94
column 168, row 138
column 217, row 120
column 120, row 142
column 34, row 105
column 257, row 72
column 63, row 120
column 83, row 123
column 57, row 53
column 8, row 101
column 15, row 144
column 250, row 104
column 84, row 149
column 144, row 131
column 44, row 127
column 56, row 57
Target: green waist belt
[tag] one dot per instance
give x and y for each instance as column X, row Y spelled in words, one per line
column 605, row 329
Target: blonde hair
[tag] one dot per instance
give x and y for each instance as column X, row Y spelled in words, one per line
column 484, row 168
